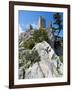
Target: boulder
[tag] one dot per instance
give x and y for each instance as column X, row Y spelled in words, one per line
column 49, row 64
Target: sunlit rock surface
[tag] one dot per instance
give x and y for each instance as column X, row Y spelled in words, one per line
column 49, row 64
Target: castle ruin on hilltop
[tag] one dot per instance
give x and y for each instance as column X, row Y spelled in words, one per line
column 40, row 24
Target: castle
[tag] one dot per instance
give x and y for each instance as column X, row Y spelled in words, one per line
column 41, row 22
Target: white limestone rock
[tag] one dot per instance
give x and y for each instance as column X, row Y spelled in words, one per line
column 49, row 65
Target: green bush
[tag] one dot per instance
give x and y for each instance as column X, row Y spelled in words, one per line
column 28, row 58
column 29, row 44
column 24, row 58
column 40, row 35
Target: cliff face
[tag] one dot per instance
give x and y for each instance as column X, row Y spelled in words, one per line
column 25, row 35
column 47, row 64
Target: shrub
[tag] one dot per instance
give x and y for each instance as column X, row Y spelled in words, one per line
column 29, row 44
column 40, row 35
column 24, row 58
column 29, row 58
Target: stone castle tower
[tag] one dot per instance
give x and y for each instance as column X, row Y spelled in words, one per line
column 41, row 22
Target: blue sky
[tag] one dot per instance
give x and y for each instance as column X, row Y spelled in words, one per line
column 31, row 17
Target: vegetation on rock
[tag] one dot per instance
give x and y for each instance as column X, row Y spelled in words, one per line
column 28, row 58
column 29, row 44
column 40, row 35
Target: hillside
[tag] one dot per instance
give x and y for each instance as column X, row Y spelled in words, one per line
column 37, row 55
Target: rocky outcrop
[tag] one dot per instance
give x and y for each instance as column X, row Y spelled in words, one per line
column 49, row 64
column 25, row 35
